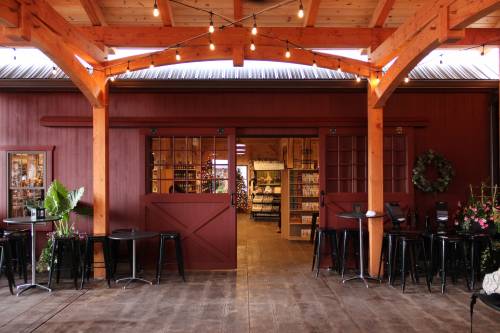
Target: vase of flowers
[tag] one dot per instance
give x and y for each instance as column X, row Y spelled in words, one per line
column 481, row 213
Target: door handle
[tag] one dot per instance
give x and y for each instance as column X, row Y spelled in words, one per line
column 233, row 203
column 322, row 199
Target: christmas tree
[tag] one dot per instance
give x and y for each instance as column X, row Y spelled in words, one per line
column 207, row 174
column 241, row 192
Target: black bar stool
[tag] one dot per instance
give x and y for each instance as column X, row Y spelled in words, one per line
column 18, row 240
column 6, row 260
column 477, row 243
column 453, row 244
column 59, row 246
column 347, row 235
column 115, row 251
column 88, row 257
column 411, row 244
column 327, row 234
column 176, row 237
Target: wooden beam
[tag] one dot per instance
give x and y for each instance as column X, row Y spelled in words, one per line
column 311, row 13
column 270, row 53
column 94, row 12
column 84, row 47
column 100, row 168
column 381, row 13
column 9, row 15
column 237, row 9
column 375, row 126
column 238, row 56
column 465, row 12
column 166, row 13
column 56, row 49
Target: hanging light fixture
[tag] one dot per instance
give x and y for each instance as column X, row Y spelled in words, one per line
column 254, row 28
column 211, row 28
column 252, row 46
column 128, row 67
column 14, row 51
column 156, row 11
column 177, row 55
column 338, row 68
column 358, row 78
column 211, row 45
column 287, row 53
column 482, row 51
column 112, row 78
column 314, row 61
column 152, row 64
column 407, row 79
column 54, row 70
column 300, row 13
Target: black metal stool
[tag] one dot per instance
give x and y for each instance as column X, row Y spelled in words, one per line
column 477, row 242
column 412, row 244
column 347, row 234
column 18, row 240
column 6, row 260
column 59, row 246
column 88, row 257
column 176, row 237
column 453, row 243
column 115, row 251
column 330, row 234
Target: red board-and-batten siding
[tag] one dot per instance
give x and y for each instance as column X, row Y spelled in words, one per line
column 456, row 126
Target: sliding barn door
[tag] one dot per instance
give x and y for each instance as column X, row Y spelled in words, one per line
column 191, row 189
column 344, row 176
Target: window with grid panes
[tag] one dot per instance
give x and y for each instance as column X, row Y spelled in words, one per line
column 347, row 169
column 188, row 165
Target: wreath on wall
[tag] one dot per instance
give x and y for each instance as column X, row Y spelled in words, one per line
column 443, row 167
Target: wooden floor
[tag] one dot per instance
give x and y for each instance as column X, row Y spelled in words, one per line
column 273, row 290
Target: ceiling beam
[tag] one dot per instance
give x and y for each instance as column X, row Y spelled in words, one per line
column 166, row 13
column 237, row 9
column 94, row 12
column 465, row 12
column 312, row 13
column 267, row 53
column 9, row 13
column 238, row 56
column 381, row 13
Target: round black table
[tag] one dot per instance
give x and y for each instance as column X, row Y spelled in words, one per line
column 133, row 236
column 360, row 216
column 33, row 221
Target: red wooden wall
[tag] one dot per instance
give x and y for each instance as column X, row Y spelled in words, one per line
column 457, row 127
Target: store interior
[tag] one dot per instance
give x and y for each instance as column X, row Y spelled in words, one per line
column 278, row 183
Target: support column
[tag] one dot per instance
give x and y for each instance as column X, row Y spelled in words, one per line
column 375, row 177
column 100, row 162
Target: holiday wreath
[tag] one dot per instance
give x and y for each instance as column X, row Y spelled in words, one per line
column 444, row 172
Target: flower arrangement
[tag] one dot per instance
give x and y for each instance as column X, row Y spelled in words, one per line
column 481, row 211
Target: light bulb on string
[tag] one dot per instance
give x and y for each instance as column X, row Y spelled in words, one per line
column 152, row 64
column 211, row 45
column 14, row 51
column 287, row 52
column 112, row 78
column 300, row 13
column 407, row 79
column 482, row 51
column 254, row 28
column 338, row 68
column 440, row 59
column 314, row 61
column 156, row 11
column 358, row 78
column 128, row 67
column 211, row 28
column 54, row 70
column 177, row 55
column 252, row 46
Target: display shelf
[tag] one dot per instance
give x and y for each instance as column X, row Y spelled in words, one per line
column 266, row 196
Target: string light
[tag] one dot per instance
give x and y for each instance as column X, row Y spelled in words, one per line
column 112, row 78
column 211, row 45
column 156, row 11
column 254, row 28
column 314, row 61
column 211, row 28
column 252, row 46
column 54, row 70
column 358, row 78
column 300, row 13
column 287, row 53
column 441, row 59
column 482, row 51
column 128, row 67
column 407, row 79
column 152, row 64
column 338, row 68
column 177, row 55
column 14, row 50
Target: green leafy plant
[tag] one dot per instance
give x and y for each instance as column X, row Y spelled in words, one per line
column 61, row 202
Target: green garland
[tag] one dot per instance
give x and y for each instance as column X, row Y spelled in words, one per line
column 443, row 167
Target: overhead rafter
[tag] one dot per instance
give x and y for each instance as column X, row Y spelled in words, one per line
column 238, row 9
column 381, row 13
column 166, row 13
column 465, row 12
column 9, row 13
column 94, row 12
column 311, row 13
column 269, row 53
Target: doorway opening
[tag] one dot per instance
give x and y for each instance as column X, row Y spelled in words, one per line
column 277, row 191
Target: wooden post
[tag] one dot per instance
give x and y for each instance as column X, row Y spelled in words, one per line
column 375, row 177
column 100, row 162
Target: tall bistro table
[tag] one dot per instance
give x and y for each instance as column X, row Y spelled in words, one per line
column 133, row 236
column 33, row 221
column 360, row 216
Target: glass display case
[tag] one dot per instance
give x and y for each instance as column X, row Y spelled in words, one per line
column 27, row 179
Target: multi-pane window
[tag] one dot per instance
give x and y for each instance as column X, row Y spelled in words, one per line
column 347, row 164
column 188, row 165
column 26, row 180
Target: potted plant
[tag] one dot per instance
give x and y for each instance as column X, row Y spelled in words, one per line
column 59, row 202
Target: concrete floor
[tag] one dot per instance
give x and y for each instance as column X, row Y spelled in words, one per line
column 273, row 290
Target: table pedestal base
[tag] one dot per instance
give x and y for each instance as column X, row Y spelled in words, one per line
column 131, row 279
column 22, row 288
column 363, row 278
